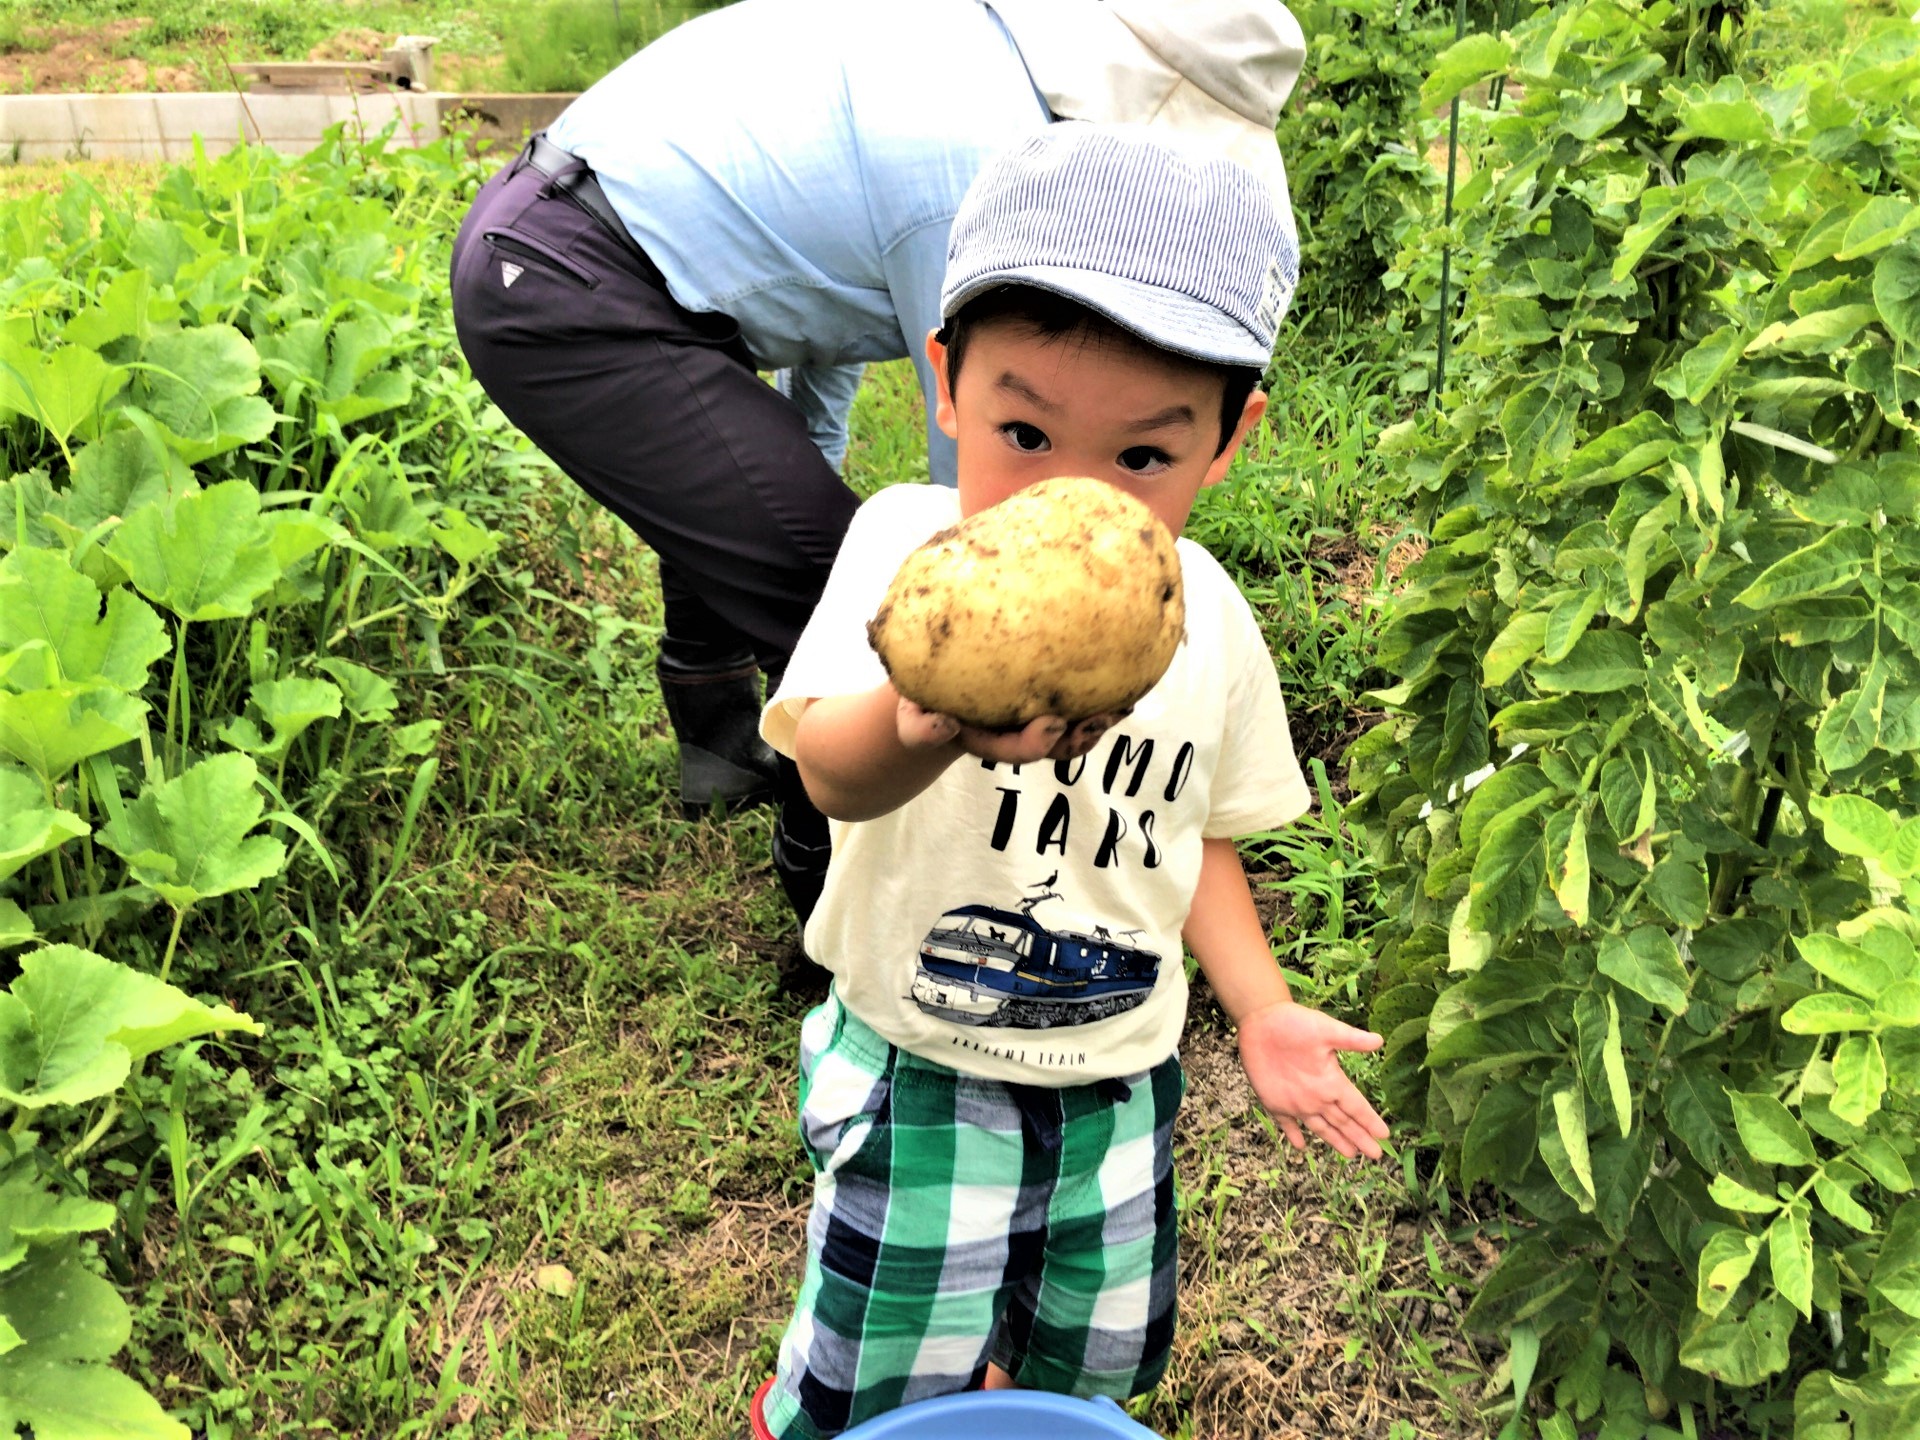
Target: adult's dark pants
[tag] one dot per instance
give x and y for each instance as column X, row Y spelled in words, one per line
column 659, row 414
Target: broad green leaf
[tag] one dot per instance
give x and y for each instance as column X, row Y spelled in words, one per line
column 1858, row 970
column 1726, row 112
column 65, row 391
column 78, row 1400
column 1851, row 726
column 1596, row 1018
column 50, row 731
column 1678, row 887
column 1827, row 1013
column 1854, row 825
column 1899, row 1005
column 1568, row 872
column 1600, row 661
column 1896, row 290
column 1836, row 558
column 15, row 927
column 1884, row 220
column 1859, row 1078
column 73, row 1022
column 1884, row 1164
column 1834, row 1185
column 1725, row 1262
column 1790, row 1250
column 1769, row 1131
column 1659, row 208
column 124, row 308
column 1741, row 1352
column 205, row 556
column 62, row 1310
column 1732, row 1195
column 1467, row 61
column 1499, row 1141
column 1648, row 541
column 1563, row 1141
column 1818, row 334
column 31, row 1214
column 288, row 708
column 370, row 698
column 44, row 598
column 199, row 385
column 1613, row 1056
column 1647, row 962
column 1539, row 423
column 1467, row 949
column 1568, row 620
column 1502, row 794
column 461, row 538
column 29, row 827
column 1516, row 644
column 1630, row 448
column 121, row 472
column 1896, row 1270
column 1507, row 875
column 1695, row 374
column 188, row 839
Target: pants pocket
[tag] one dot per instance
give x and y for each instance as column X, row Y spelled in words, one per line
column 525, row 247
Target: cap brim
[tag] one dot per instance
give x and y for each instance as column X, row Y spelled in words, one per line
column 1158, row 316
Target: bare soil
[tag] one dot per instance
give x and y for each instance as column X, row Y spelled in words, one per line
column 66, row 58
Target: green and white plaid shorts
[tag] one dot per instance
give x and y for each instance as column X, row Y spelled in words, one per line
column 957, row 1220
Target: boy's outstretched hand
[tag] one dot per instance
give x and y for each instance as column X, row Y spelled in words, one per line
column 1291, row 1055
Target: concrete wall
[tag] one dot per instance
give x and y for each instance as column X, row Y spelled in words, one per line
column 56, row 128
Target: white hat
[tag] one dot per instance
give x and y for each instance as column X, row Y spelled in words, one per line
column 1216, row 71
column 1182, row 248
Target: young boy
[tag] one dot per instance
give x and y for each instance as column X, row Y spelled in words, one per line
column 988, row 1094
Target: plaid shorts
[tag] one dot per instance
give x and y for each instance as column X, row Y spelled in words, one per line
column 957, row 1220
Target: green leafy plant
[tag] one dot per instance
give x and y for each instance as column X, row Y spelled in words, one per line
column 73, row 1026
column 1646, row 801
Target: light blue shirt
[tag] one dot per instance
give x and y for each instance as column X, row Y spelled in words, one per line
column 796, row 164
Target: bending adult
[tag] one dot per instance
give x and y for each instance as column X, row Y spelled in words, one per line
column 769, row 187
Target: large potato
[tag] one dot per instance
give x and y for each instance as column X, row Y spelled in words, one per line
column 1063, row 599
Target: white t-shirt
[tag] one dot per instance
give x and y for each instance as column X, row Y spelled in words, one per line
column 1022, row 923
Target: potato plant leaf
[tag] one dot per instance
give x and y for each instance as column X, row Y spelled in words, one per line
column 1742, row 1351
column 1647, row 962
column 1769, row 1131
column 188, row 838
column 73, row 1022
column 1790, row 1252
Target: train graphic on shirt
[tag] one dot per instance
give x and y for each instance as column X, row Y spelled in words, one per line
column 981, row 965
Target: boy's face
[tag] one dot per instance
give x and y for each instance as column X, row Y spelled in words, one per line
column 1030, row 407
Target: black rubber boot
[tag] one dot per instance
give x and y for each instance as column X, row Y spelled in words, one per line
column 801, row 845
column 715, row 713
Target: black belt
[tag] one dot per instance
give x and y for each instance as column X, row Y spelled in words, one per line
column 567, row 174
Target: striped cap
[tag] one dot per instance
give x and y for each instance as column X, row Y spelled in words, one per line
column 1192, row 253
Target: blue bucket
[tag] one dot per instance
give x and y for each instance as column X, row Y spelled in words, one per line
column 1005, row 1415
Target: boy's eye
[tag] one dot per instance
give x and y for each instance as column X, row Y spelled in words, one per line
column 1143, row 460
column 1024, row 437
